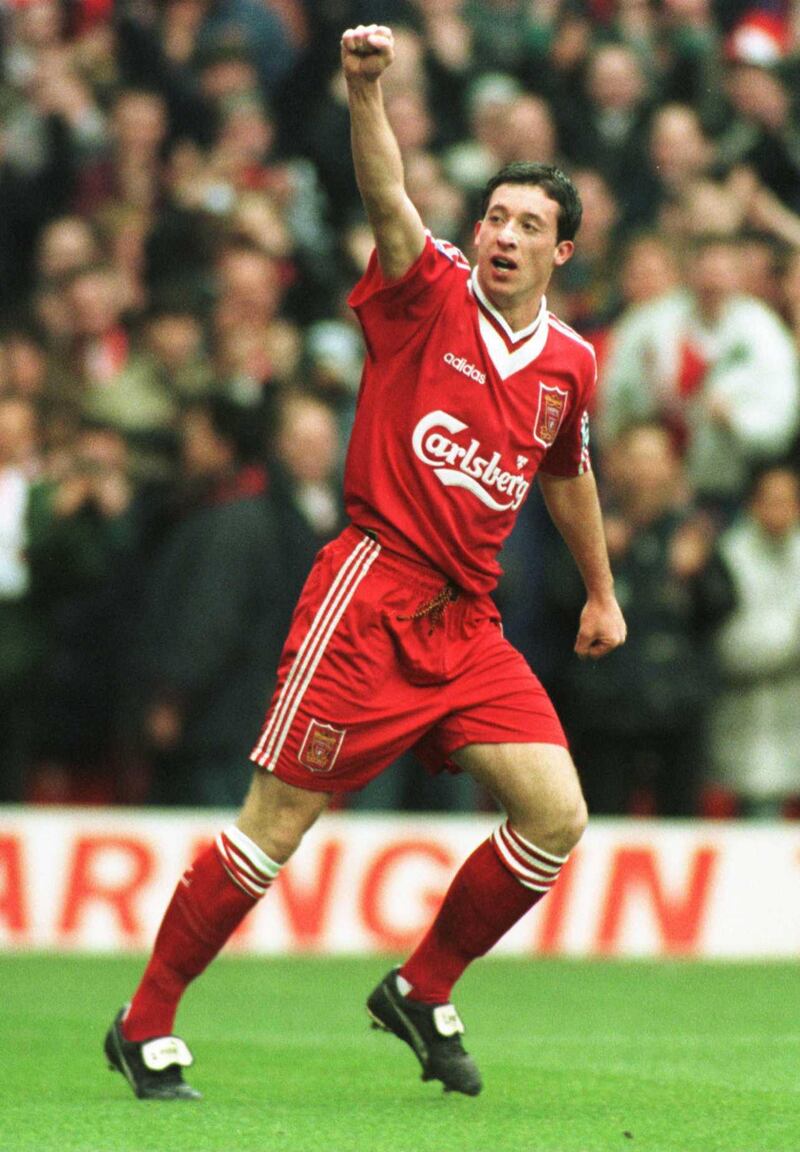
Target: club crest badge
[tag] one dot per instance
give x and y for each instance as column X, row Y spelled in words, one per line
column 321, row 746
column 549, row 413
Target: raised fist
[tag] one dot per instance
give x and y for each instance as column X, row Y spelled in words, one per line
column 367, row 51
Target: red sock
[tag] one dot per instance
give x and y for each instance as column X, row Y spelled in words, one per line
column 209, row 903
column 493, row 889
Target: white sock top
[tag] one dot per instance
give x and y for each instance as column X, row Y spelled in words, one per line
column 252, row 852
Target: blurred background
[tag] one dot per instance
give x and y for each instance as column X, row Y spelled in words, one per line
column 179, row 229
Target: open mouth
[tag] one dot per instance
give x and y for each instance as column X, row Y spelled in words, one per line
column 503, row 264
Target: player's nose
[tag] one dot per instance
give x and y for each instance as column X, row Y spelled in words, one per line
column 507, row 235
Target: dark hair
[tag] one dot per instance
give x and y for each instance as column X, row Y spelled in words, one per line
column 556, row 184
column 646, row 424
column 764, row 468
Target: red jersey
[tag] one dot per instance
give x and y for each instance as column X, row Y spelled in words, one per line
column 456, row 413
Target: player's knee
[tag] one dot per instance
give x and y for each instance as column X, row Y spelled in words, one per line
column 282, row 837
column 276, row 816
column 558, row 828
column 574, row 824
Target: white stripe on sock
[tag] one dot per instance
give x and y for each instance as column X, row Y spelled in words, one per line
column 526, row 858
column 246, row 864
column 545, row 857
column 257, row 856
column 536, row 876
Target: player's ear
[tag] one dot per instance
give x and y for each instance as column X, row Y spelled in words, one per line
column 563, row 252
column 476, row 231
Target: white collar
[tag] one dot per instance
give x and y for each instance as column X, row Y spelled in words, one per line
column 513, row 336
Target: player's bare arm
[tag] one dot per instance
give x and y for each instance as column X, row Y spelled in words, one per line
column 574, row 507
column 367, row 51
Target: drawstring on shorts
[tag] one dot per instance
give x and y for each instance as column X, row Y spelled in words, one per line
column 434, row 608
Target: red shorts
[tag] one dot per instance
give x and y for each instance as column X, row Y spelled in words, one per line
column 365, row 674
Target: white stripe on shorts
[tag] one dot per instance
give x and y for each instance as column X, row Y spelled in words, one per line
column 311, row 651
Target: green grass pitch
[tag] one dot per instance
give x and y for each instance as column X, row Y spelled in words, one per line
column 577, row 1056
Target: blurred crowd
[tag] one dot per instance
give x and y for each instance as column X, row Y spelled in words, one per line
column 179, row 229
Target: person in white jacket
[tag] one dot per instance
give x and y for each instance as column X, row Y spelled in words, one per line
column 719, row 368
column 755, row 730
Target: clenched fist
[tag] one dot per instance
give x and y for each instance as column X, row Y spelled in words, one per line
column 367, row 51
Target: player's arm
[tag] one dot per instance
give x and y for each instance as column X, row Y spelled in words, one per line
column 574, row 507
column 367, row 51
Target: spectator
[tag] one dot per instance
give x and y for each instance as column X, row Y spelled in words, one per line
column 530, row 132
column 333, row 357
column 649, row 269
column 276, row 203
column 20, row 629
column 506, row 124
column 305, row 483
column 411, row 120
column 719, row 367
column 258, row 28
column 254, row 346
column 498, row 33
column 588, row 284
column 167, row 49
column 153, row 54
column 762, row 258
column 59, row 90
column 765, row 132
column 637, row 721
column 227, row 72
column 756, row 719
column 82, row 535
column 706, row 206
column 34, row 188
column 690, row 44
column 99, row 345
column 449, row 62
column 29, row 29
column 443, row 204
column 142, row 401
column 65, row 245
column 607, row 128
column 25, row 369
column 213, row 616
column 635, row 24
column 678, row 155
column 559, row 42
column 128, row 170
column 325, row 140
column 490, row 99
column 123, row 231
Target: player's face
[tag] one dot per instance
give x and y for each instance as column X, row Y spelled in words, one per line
column 518, row 246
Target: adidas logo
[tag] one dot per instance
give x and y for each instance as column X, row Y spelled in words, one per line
column 464, row 367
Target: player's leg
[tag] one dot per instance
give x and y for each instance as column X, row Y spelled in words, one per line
column 538, row 787
column 503, row 878
column 212, row 898
column 507, row 874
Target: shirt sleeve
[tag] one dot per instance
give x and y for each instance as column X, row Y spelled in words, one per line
column 392, row 311
column 569, row 454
